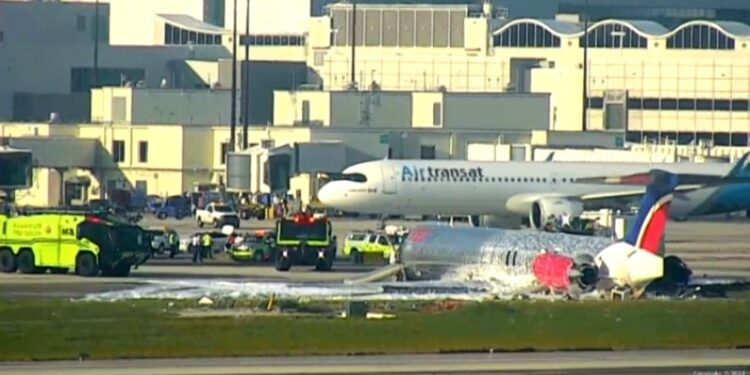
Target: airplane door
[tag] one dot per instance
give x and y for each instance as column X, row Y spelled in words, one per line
column 389, row 180
column 554, row 181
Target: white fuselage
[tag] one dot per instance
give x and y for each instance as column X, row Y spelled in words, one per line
column 447, row 187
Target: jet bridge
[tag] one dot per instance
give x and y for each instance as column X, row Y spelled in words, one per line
column 280, row 164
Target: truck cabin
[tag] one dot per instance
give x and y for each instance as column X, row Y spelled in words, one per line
column 302, row 227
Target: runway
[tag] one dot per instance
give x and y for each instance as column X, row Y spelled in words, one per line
column 621, row 362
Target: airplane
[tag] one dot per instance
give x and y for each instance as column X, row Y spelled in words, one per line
column 556, row 262
column 501, row 193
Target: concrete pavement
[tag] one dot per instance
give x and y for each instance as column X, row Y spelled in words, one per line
column 682, row 361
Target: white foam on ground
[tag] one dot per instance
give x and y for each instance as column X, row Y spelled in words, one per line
column 196, row 288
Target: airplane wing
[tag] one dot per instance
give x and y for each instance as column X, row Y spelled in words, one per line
column 628, row 194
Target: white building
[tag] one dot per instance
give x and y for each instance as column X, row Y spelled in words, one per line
column 689, row 83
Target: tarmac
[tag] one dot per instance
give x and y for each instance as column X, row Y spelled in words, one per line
column 712, row 248
column 695, row 362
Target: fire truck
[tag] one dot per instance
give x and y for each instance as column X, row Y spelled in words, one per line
column 304, row 239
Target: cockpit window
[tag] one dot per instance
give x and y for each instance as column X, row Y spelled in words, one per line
column 355, row 177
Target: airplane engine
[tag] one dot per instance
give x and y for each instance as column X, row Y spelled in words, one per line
column 543, row 208
column 560, row 272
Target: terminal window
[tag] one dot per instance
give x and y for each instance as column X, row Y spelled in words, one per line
column 427, row 152
column 118, row 151
column 143, row 152
column 224, row 150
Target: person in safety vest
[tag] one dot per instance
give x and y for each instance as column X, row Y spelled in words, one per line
column 207, row 242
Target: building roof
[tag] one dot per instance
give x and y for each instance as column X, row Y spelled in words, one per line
column 734, row 28
column 189, row 23
column 644, row 27
column 560, row 28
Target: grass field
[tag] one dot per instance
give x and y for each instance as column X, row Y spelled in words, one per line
column 61, row 329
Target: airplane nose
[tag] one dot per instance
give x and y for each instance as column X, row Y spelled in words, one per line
column 328, row 195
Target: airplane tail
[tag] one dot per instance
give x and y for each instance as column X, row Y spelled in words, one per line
column 637, row 259
column 631, row 263
column 648, row 229
column 741, row 169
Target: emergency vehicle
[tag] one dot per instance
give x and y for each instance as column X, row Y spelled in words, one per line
column 86, row 244
column 304, row 239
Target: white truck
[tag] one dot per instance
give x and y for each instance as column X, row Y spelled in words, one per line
column 217, row 215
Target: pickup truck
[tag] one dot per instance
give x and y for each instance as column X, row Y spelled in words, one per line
column 217, row 215
column 357, row 244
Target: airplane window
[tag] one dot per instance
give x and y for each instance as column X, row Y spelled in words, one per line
column 506, row 179
column 493, row 179
column 554, row 180
column 525, row 179
column 355, row 177
column 564, row 179
column 544, row 180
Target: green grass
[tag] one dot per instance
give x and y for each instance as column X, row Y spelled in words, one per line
column 60, row 329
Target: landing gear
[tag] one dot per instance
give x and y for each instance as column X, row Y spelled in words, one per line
column 381, row 222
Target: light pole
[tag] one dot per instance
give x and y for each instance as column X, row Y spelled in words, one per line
column 353, row 80
column 233, row 121
column 246, row 78
column 584, row 120
column 95, row 80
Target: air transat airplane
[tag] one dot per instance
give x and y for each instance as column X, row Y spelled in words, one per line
column 499, row 191
column 564, row 263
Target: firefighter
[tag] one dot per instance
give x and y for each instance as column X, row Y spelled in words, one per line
column 207, row 242
column 173, row 242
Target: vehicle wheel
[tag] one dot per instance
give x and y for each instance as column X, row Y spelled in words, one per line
column 283, row 264
column 25, row 262
column 216, row 223
column 122, row 270
column 86, row 265
column 355, row 256
column 161, row 216
column 161, row 249
column 324, row 264
column 172, row 253
column 258, row 256
column 200, row 224
column 7, row 261
column 244, row 215
column 179, row 217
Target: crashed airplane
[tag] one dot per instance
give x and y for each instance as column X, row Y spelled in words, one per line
column 561, row 263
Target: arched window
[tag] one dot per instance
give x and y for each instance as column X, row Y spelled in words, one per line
column 700, row 36
column 526, row 35
column 613, row 35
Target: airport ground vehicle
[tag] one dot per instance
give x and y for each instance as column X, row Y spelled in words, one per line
column 217, row 215
column 304, row 239
column 83, row 242
column 381, row 243
column 354, row 244
column 160, row 244
column 359, row 244
column 176, row 206
column 101, row 206
column 258, row 246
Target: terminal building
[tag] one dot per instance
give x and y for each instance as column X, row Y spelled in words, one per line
column 454, row 80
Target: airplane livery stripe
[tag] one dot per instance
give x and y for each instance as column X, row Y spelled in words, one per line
column 653, row 225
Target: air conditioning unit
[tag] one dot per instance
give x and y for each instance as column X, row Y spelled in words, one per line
column 310, row 87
